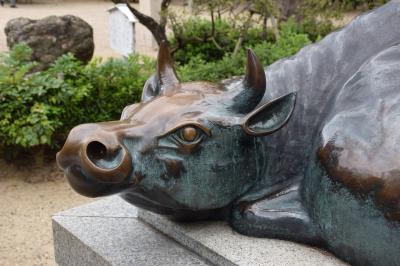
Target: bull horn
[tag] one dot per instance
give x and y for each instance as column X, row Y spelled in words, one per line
column 165, row 69
column 254, row 84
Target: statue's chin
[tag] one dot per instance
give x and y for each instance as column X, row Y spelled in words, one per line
column 153, row 201
column 169, row 207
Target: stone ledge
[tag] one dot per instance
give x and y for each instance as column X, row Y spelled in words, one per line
column 218, row 243
column 107, row 232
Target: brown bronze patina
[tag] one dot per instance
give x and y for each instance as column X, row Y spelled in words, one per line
column 307, row 150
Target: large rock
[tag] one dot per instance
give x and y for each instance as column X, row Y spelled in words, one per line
column 52, row 37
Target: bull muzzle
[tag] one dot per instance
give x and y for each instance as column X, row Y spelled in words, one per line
column 97, row 151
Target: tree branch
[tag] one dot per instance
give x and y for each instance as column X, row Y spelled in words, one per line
column 164, row 13
column 157, row 29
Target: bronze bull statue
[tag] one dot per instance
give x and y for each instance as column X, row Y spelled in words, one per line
column 307, row 150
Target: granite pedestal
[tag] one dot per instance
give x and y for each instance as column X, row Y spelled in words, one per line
column 111, row 232
column 107, row 232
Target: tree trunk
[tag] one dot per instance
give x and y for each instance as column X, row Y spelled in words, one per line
column 212, row 23
column 243, row 34
column 265, row 28
column 275, row 27
column 238, row 46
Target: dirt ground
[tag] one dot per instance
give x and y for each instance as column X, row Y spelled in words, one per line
column 25, row 213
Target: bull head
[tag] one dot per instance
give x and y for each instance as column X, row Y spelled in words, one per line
column 187, row 146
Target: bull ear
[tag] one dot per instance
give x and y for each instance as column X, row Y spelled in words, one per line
column 151, row 88
column 128, row 111
column 270, row 117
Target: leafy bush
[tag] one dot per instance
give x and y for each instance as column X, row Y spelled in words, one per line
column 38, row 109
column 366, row 4
column 199, row 69
column 316, row 18
column 316, row 28
column 27, row 116
column 289, row 43
column 111, row 85
column 194, row 34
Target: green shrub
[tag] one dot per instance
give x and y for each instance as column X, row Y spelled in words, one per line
column 39, row 109
column 112, row 85
column 316, row 18
column 195, row 34
column 199, row 69
column 365, row 4
column 316, row 29
column 29, row 104
column 289, row 43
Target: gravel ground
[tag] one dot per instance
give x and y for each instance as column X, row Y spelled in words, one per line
column 25, row 213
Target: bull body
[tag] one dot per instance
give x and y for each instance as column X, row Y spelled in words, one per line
column 320, row 166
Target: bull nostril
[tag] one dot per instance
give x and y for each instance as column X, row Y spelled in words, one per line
column 96, row 151
column 106, row 163
column 104, row 157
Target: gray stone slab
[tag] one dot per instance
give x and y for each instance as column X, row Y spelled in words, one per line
column 108, row 233
column 217, row 242
column 107, row 207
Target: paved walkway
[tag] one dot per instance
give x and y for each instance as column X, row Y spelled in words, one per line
column 93, row 12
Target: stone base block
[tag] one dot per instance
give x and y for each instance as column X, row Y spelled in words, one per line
column 219, row 244
column 108, row 232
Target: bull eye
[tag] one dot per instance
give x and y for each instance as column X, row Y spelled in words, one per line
column 189, row 134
